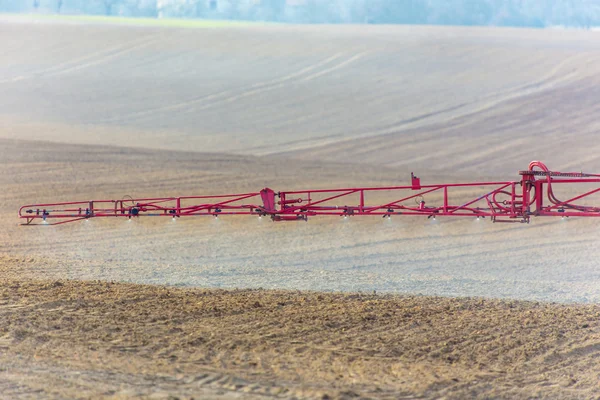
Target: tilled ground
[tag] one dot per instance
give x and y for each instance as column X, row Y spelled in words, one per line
column 283, row 92
column 92, row 339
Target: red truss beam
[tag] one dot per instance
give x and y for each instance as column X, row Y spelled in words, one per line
column 511, row 201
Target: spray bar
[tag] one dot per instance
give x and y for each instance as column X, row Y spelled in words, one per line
column 510, row 201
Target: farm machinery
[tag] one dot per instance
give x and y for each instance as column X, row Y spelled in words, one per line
column 510, row 201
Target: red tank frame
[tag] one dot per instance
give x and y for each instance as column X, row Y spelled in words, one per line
column 511, row 201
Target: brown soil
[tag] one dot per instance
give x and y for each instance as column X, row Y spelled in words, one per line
column 89, row 339
column 300, row 107
column 445, row 98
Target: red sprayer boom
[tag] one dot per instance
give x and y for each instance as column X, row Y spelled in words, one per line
column 513, row 201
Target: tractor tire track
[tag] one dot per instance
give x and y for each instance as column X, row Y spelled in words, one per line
column 16, row 382
column 108, row 57
column 283, row 82
column 230, row 93
column 551, row 80
column 94, row 59
column 229, row 96
column 335, row 68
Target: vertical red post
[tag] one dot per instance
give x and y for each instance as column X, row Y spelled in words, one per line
column 282, row 201
column 362, row 200
column 445, row 199
column 539, row 195
column 526, row 184
column 513, row 199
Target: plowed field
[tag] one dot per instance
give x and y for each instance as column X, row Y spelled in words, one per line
column 241, row 308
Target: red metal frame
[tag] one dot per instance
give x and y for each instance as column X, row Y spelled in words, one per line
column 511, row 201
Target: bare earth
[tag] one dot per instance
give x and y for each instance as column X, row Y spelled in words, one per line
column 123, row 340
column 240, row 308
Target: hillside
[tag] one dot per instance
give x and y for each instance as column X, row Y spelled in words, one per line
column 461, row 99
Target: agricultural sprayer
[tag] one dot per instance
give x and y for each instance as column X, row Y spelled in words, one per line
column 510, row 201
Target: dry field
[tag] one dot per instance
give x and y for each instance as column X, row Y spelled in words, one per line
column 88, row 339
column 104, row 111
column 459, row 99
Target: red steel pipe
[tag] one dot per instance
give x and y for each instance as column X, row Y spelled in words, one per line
column 535, row 197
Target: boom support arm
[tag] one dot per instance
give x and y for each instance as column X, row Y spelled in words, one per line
column 510, row 201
